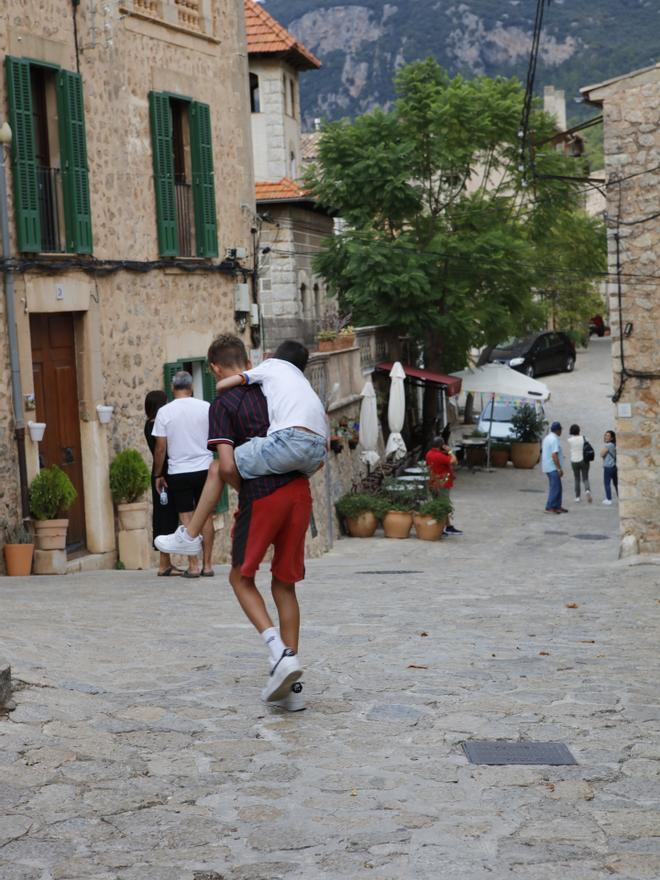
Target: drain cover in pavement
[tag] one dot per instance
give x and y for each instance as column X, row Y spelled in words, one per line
column 591, row 537
column 402, row 571
column 517, row 753
column 533, row 491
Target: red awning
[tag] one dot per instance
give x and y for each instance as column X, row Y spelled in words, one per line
column 451, row 383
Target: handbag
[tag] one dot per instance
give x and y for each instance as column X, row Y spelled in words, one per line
column 588, row 451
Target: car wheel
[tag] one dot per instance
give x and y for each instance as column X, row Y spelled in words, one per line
column 570, row 364
column 530, row 371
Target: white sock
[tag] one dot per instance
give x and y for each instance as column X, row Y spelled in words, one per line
column 274, row 643
column 186, row 536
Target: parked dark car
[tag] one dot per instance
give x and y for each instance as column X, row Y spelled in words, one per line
column 546, row 352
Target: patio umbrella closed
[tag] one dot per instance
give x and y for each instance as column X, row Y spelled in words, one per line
column 369, row 425
column 396, row 413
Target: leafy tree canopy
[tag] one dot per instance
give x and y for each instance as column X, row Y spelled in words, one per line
column 444, row 238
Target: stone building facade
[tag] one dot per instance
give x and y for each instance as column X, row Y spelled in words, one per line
column 631, row 111
column 119, row 269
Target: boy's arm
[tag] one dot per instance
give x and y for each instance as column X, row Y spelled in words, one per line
column 230, row 382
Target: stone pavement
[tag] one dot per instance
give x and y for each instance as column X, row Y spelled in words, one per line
column 139, row 749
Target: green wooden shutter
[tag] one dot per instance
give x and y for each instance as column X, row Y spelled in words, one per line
column 203, row 180
column 163, row 159
column 73, row 152
column 168, row 374
column 26, row 190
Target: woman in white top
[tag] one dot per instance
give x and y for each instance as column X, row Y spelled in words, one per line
column 578, row 462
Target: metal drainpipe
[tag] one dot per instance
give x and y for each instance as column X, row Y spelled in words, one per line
column 17, row 391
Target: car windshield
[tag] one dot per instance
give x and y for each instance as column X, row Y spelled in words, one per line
column 520, row 342
column 504, row 410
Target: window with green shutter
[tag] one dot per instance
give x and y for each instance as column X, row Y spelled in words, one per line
column 183, row 176
column 50, row 166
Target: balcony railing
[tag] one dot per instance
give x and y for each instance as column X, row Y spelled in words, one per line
column 184, row 217
column 49, row 189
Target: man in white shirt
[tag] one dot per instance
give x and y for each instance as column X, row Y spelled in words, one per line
column 181, row 431
column 552, row 465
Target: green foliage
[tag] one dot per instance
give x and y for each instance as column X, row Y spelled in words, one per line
column 119, row 565
column 18, row 533
column 354, row 504
column 438, row 507
column 443, row 239
column 129, row 477
column 398, row 499
column 528, row 424
column 51, row 493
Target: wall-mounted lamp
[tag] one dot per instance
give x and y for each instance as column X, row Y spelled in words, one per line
column 628, row 329
column 36, row 430
column 104, row 413
column 5, row 133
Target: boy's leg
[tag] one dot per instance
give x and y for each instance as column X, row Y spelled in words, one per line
column 250, row 599
column 288, row 612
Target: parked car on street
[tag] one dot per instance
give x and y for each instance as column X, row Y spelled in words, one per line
column 505, row 407
column 546, row 352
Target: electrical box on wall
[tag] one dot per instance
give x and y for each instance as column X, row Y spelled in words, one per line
column 254, row 315
column 236, row 253
column 242, row 301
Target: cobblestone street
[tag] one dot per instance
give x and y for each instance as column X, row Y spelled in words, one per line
column 140, row 750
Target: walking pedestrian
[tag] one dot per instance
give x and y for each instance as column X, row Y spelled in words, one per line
column 610, row 473
column 181, row 432
column 579, row 461
column 164, row 516
column 552, row 459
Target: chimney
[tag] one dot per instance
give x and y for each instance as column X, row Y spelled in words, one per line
column 554, row 103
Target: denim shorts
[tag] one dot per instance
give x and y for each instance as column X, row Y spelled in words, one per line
column 280, row 453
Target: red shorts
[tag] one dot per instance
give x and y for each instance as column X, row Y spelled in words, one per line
column 281, row 519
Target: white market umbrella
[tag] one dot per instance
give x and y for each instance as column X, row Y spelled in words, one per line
column 396, row 413
column 500, row 379
column 369, row 425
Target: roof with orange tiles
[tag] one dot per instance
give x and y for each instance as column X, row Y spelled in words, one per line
column 281, row 190
column 265, row 36
column 309, row 145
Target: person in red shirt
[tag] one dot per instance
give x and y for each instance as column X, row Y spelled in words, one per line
column 440, row 461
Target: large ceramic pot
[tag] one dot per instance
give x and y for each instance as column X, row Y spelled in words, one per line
column 427, row 528
column 397, row 524
column 344, row 340
column 18, row 559
column 475, row 456
column 499, row 457
column 50, row 534
column 133, row 516
column 362, row 526
column 326, row 344
column 524, row 455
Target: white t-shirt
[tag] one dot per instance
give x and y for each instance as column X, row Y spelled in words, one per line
column 185, row 424
column 292, row 402
column 576, row 447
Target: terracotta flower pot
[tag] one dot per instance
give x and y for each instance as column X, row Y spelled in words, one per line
column 499, row 457
column 18, row 559
column 475, row 456
column 327, row 344
column 133, row 516
column 397, row 524
column 362, row 526
column 427, row 528
column 524, row 455
column 344, row 341
column 50, row 534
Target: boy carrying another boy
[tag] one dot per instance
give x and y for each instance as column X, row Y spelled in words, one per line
column 267, row 446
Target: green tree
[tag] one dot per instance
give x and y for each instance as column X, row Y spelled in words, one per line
column 445, row 239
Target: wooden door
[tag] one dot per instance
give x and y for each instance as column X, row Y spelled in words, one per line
column 56, row 390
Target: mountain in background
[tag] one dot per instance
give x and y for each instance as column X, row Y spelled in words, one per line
column 362, row 44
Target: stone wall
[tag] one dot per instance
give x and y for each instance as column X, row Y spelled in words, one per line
column 631, row 110
column 275, row 129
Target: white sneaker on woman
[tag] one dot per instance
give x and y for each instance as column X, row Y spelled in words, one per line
column 607, row 502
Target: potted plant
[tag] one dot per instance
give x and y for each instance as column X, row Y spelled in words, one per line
column 129, row 480
column 18, row 549
column 360, row 512
column 528, row 427
column 398, row 518
column 431, row 517
column 326, row 340
column 499, row 454
column 345, row 338
column 51, row 494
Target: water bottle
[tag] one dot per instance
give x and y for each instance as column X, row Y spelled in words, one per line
column 163, row 496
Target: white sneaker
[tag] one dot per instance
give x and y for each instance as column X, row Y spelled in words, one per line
column 286, row 671
column 589, row 498
column 178, row 543
column 607, row 502
column 294, row 700
column 577, row 500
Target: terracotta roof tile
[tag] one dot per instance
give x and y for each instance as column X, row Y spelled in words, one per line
column 267, row 36
column 309, row 145
column 280, row 190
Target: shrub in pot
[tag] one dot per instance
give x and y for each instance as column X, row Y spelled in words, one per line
column 18, row 549
column 398, row 506
column 51, row 494
column 431, row 518
column 528, row 427
column 129, row 480
column 499, row 454
column 360, row 512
